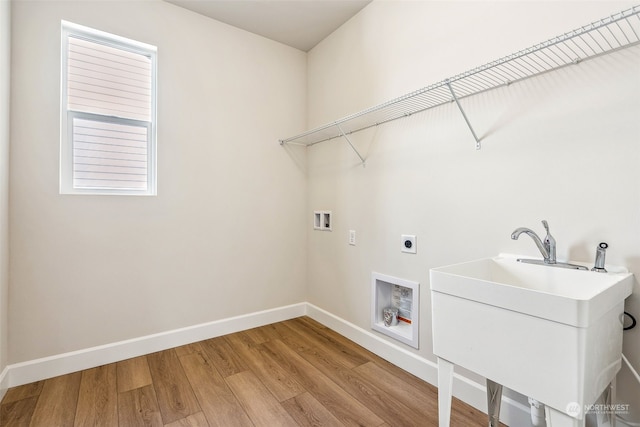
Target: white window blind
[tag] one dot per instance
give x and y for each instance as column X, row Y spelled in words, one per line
column 109, row 155
column 108, row 114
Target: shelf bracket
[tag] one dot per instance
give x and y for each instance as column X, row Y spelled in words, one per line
column 455, row 98
column 350, row 144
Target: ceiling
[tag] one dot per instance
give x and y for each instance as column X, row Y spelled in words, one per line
column 298, row 23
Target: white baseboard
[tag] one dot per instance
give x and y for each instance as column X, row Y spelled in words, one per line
column 512, row 413
column 52, row 366
column 4, row 382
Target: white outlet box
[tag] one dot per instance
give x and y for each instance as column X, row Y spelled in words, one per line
column 409, row 244
column 322, row 220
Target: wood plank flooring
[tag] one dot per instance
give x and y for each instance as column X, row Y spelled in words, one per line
column 292, row 373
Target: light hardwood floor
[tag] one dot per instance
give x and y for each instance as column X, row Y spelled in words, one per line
column 292, row 373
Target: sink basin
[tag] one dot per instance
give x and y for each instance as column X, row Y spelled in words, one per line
column 573, row 297
column 553, row 334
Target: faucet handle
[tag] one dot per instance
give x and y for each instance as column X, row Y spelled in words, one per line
column 549, row 243
column 548, row 239
column 546, row 225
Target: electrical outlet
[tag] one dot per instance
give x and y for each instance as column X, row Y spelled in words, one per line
column 352, row 237
column 409, row 244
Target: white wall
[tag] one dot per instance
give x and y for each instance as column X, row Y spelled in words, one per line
column 225, row 236
column 561, row 147
column 5, row 57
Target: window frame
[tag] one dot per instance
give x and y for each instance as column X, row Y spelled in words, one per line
column 67, row 116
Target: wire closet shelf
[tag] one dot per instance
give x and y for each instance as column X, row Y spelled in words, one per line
column 607, row 35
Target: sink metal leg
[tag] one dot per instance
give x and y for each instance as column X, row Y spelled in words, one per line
column 445, row 391
column 494, row 398
column 613, row 399
column 607, row 418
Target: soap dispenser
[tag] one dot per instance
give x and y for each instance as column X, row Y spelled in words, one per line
column 601, row 251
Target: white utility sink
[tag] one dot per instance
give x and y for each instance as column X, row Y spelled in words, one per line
column 573, row 297
column 553, row 334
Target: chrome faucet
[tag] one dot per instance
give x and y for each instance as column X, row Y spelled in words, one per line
column 546, row 246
